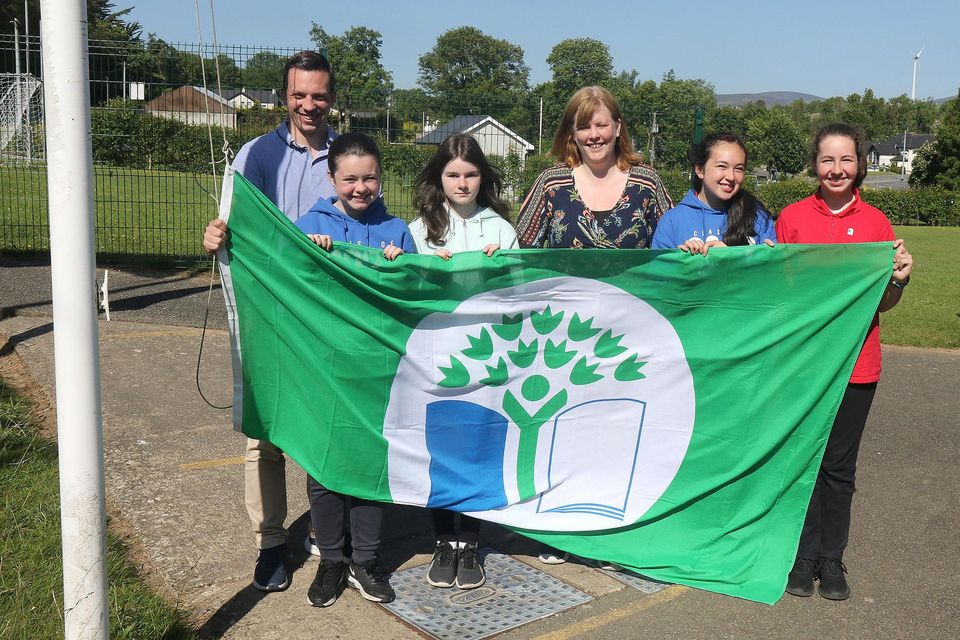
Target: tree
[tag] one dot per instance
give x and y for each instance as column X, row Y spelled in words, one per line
column 106, row 24
column 362, row 82
column 726, row 119
column 938, row 163
column 470, row 71
column 776, row 142
column 573, row 347
column 189, row 69
column 676, row 101
column 575, row 63
column 579, row 62
column 263, row 71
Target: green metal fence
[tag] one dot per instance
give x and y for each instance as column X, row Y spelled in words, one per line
column 152, row 163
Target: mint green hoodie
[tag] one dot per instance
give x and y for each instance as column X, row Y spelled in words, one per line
column 472, row 234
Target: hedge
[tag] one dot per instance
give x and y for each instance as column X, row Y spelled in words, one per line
column 124, row 136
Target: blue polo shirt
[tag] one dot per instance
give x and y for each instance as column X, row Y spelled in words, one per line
column 285, row 172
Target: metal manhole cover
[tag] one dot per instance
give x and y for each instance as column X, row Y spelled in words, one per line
column 514, row 594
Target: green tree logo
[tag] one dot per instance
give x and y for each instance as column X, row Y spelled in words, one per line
column 571, row 350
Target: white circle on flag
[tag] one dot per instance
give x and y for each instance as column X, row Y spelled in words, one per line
column 607, row 416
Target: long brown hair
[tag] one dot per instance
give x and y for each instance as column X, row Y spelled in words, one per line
column 744, row 207
column 429, row 199
column 579, row 111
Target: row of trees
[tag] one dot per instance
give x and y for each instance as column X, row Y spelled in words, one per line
column 469, row 72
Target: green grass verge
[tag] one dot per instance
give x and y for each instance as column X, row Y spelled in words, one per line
column 31, row 576
column 136, row 212
column 146, row 215
column 929, row 312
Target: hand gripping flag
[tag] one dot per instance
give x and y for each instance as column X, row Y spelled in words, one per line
column 656, row 409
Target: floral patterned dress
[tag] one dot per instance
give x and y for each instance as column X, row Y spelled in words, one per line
column 554, row 215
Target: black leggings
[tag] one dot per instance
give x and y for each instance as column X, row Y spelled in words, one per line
column 445, row 525
column 827, row 526
column 327, row 510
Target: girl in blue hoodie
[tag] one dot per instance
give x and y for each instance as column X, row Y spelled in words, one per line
column 355, row 214
column 458, row 198
column 718, row 211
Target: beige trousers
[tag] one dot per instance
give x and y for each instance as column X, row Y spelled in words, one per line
column 265, row 492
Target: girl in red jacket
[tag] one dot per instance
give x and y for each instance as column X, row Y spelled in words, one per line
column 836, row 214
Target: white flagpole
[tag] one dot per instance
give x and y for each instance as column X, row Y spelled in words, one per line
column 66, row 96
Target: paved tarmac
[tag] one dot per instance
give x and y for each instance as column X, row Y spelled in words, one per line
column 174, row 476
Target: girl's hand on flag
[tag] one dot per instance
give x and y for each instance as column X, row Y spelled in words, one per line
column 392, row 251
column 769, row 242
column 320, row 240
column 490, row 249
column 696, row 245
column 443, row 253
column 902, row 262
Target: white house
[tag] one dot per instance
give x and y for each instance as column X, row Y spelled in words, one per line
column 251, row 98
column 494, row 137
column 881, row 153
column 193, row 105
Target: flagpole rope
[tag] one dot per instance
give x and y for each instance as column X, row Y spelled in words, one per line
column 227, row 153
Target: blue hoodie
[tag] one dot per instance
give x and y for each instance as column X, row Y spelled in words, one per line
column 376, row 228
column 693, row 218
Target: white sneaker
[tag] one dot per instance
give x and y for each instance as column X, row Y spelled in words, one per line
column 553, row 556
column 310, row 544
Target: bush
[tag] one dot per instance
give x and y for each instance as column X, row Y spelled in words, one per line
column 405, row 161
column 933, row 206
column 123, row 136
column 776, row 195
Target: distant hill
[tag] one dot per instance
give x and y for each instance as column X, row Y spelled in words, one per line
column 771, row 98
column 942, row 100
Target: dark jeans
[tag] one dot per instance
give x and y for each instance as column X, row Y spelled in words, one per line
column 445, row 526
column 327, row 509
column 827, row 526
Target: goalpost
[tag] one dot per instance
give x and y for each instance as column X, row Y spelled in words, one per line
column 21, row 119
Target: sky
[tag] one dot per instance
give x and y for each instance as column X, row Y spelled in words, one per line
column 816, row 47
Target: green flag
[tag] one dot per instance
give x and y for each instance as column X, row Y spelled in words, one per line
column 656, row 409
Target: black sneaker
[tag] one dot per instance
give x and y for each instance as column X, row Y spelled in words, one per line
column 800, row 580
column 833, row 585
column 443, row 567
column 470, row 573
column 270, row 573
column 368, row 578
column 328, row 584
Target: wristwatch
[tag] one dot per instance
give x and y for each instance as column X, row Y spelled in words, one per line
column 900, row 285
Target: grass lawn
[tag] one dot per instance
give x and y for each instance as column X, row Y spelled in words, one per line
column 150, row 214
column 137, row 212
column 31, row 577
column 929, row 312
column 140, row 212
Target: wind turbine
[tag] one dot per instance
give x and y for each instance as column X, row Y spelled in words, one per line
column 916, row 61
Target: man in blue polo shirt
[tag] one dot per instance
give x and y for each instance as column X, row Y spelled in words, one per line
column 289, row 165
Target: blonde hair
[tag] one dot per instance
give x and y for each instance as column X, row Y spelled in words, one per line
column 581, row 108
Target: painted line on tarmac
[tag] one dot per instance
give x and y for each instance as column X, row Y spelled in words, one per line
column 212, row 464
column 186, row 332
column 595, row 622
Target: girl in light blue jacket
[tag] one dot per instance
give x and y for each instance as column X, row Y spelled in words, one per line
column 458, row 198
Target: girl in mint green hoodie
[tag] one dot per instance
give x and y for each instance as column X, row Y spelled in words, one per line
column 458, row 198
